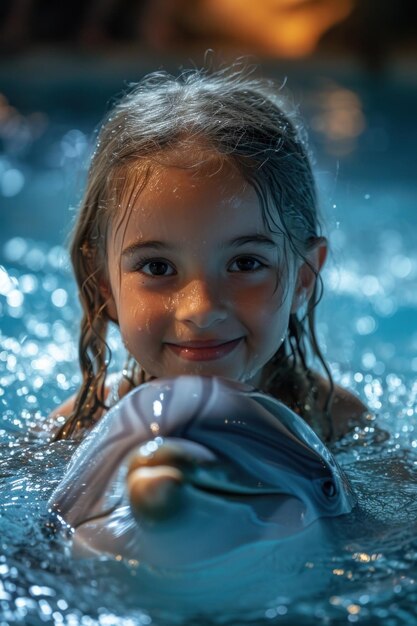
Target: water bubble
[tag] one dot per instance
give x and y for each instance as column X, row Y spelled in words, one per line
column 401, row 266
column 364, row 599
column 28, row 283
column 62, row 381
column 45, row 608
column 35, row 259
column 60, row 333
column 385, row 307
column 12, row 183
column 365, row 325
column 62, row 604
column 370, row 285
column 41, row 330
column 59, row 298
column 37, row 383
column 16, row 312
column 50, row 282
column 393, row 381
column 368, row 360
column 44, row 364
column 342, row 281
column 58, row 257
column 15, row 298
column 73, row 144
column 15, row 249
column 36, row 590
column 7, row 283
column 379, row 368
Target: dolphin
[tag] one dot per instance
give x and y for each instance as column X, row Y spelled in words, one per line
column 183, row 470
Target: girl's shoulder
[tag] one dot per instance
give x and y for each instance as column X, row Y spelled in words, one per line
column 65, row 409
column 115, row 388
column 346, row 410
column 307, row 393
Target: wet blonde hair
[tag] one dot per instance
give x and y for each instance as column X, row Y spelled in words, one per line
column 241, row 118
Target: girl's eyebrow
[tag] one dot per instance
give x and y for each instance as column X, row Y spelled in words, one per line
column 139, row 245
column 258, row 239
column 235, row 243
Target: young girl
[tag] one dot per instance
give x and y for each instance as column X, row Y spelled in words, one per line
column 198, row 236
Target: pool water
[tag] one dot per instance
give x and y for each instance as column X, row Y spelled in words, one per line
column 364, row 136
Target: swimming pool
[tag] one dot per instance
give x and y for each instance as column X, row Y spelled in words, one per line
column 364, row 135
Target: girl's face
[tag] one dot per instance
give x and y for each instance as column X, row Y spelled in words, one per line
column 197, row 282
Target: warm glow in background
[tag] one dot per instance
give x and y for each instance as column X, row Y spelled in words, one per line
column 288, row 29
column 284, row 28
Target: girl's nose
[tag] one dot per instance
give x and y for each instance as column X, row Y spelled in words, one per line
column 200, row 304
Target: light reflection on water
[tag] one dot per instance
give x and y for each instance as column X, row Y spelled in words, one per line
column 367, row 324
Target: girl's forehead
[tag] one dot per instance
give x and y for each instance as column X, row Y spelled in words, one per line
column 203, row 189
column 184, row 167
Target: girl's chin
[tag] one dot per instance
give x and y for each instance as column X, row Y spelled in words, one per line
column 250, row 376
column 197, row 369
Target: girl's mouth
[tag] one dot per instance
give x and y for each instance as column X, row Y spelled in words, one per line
column 204, row 350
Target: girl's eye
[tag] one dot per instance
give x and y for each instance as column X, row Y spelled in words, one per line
column 246, row 264
column 156, row 268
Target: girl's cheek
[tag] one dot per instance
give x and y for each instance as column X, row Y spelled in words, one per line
column 265, row 296
column 153, row 315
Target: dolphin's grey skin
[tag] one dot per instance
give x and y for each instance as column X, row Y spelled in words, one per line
column 254, row 472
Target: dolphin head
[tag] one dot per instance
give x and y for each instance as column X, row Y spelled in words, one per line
column 184, row 469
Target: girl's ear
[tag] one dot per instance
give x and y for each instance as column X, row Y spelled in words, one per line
column 308, row 272
column 107, row 295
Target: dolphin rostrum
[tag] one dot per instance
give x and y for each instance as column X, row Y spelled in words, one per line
column 183, row 470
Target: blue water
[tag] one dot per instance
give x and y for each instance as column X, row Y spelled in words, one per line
column 364, row 135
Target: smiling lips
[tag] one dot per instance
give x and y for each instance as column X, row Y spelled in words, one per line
column 204, row 350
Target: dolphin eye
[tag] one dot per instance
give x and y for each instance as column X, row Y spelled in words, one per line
column 329, row 488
